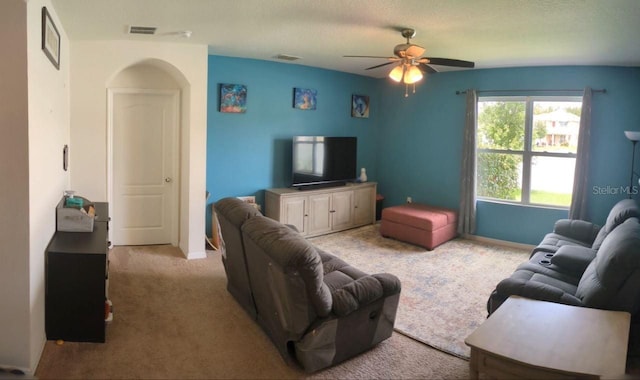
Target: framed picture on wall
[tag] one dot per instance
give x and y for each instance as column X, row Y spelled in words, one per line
column 305, row 98
column 360, row 106
column 50, row 39
column 233, row 98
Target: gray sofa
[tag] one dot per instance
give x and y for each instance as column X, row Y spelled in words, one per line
column 315, row 308
column 582, row 264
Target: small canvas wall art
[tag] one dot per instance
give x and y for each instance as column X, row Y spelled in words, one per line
column 233, row 98
column 304, row 98
column 359, row 106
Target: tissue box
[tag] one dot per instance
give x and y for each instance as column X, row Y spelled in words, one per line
column 72, row 219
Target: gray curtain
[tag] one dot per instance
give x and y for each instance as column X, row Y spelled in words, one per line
column 580, row 195
column 467, row 212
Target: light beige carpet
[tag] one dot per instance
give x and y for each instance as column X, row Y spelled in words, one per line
column 444, row 291
column 174, row 319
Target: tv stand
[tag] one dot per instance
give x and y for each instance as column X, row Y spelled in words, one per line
column 319, row 186
column 325, row 210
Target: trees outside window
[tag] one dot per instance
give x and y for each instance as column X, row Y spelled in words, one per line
column 526, row 149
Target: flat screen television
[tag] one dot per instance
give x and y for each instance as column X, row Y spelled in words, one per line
column 320, row 161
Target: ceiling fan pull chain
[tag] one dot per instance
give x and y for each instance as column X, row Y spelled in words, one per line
column 414, row 87
column 406, row 90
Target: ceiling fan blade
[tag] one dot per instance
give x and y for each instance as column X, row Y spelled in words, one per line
column 427, row 69
column 450, row 62
column 376, row 66
column 367, row 56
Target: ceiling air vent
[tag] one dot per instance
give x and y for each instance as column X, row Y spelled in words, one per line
column 286, row 57
column 142, row 29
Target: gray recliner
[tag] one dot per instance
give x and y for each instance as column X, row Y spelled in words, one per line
column 231, row 214
column 582, row 264
column 317, row 309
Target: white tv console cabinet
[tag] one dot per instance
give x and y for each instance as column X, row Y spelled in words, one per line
column 322, row 211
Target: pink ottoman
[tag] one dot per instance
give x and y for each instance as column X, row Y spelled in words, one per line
column 423, row 225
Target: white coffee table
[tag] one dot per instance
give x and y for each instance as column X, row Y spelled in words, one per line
column 536, row 339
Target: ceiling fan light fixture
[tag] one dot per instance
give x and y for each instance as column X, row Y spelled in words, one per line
column 413, row 75
column 397, row 73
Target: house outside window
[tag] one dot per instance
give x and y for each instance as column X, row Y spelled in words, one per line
column 526, row 149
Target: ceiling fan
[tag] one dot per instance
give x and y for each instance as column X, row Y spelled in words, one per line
column 412, row 65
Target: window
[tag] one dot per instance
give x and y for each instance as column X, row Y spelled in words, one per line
column 526, row 149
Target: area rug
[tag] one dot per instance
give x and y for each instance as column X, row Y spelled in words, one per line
column 444, row 291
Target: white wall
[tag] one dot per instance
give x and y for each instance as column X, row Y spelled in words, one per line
column 34, row 122
column 95, row 65
column 48, row 133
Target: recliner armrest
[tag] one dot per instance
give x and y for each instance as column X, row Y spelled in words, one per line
column 580, row 230
column 363, row 291
column 292, row 227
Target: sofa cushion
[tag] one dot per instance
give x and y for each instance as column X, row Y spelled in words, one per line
column 541, row 263
column 350, row 297
column 331, row 264
column 537, row 286
column 621, row 211
column 553, row 241
column 573, row 259
column 617, row 259
column 351, row 288
column 575, row 229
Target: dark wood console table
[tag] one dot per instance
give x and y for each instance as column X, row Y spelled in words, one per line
column 76, row 278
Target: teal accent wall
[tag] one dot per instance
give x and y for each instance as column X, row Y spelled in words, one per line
column 410, row 145
column 250, row 152
column 421, row 135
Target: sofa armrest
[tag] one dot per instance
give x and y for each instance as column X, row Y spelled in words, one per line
column 573, row 259
column 536, row 290
column 363, row 291
column 577, row 229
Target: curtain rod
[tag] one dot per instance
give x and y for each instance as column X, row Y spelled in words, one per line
column 604, row 90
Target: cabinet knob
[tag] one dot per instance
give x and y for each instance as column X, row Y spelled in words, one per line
column 168, row 179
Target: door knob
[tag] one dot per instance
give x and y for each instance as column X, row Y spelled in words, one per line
column 168, row 179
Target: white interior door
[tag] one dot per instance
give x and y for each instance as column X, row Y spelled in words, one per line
column 144, row 185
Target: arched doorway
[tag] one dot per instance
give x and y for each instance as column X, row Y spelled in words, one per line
column 143, row 148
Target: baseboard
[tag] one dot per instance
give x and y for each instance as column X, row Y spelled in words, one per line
column 504, row 243
column 10, row 373
column 197, row 255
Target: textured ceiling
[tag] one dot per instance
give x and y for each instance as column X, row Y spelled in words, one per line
column 493, row 33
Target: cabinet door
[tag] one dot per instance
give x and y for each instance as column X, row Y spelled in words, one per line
column 319, row 214
column 364, row 209
column 294, row 212
column 342, row 210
